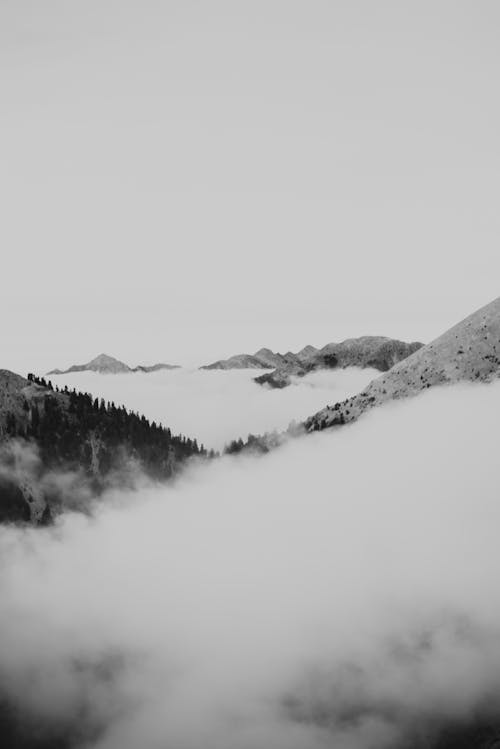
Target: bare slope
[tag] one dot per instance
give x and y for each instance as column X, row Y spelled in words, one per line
column 469, row 351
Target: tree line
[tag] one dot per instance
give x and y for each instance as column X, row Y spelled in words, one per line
column 73, row 428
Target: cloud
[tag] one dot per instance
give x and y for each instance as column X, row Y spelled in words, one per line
column 219, row 406
column 341, row 591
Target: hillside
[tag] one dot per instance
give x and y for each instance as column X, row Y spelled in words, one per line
column 57, row 445
column 105, row 364
column 469, row 351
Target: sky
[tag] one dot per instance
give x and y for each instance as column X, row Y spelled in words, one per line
column 186, row 180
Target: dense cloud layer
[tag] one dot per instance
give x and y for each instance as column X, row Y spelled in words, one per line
column 218, row 406
column 339, row 592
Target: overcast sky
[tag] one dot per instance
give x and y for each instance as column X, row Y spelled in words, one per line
column 183, row 180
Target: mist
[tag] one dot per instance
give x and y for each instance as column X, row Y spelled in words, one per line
column 217, row 406
column 341, row 591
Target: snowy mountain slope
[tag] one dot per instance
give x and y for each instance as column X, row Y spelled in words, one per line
column 469, row 351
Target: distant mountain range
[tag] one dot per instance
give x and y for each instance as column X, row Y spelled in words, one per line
column 375, row 352
column 369, row 351
column 378, row 352
column 105, row 364
column 264, row 358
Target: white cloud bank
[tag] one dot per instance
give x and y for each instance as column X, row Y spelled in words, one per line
column 219, row 406
column 339, row 592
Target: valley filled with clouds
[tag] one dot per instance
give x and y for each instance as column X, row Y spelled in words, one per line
column 340, row 591
column 219, row 406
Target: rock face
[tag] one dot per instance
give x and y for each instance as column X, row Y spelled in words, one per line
column 105, row 364
column 378, row 352
column 469, row 351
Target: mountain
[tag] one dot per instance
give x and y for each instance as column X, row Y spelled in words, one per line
column 264, row 358
column 369, row 351
column 378, row 352
column 469, row 351
column 105, row 364
column 61, row 446
column 238, row 361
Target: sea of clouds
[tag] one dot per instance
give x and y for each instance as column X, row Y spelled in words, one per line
column 340, row 592
column 217, row 406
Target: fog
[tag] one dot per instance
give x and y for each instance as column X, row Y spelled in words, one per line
column 216, row 406
column 341, row 591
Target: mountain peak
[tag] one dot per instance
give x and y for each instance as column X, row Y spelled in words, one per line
column 307, row 351
column 106, row 363
column 103, row 359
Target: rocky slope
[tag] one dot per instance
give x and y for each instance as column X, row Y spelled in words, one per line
column 105, row 364
column 378, row 352
column 60, row 446
column 469, row 351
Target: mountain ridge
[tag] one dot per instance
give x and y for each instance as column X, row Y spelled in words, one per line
column 105, row 364
column 379, row 352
